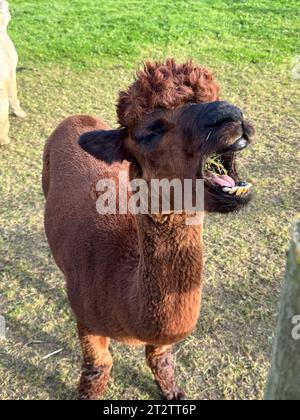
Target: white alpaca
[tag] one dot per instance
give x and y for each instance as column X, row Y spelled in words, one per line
column 8, row 81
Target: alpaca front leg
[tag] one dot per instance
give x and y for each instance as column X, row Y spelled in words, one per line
column 13, row 98
column 97, row 364
column 160, row 360
column 4, row 117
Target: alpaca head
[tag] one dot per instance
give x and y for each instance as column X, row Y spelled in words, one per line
column 171, row 124
column 5, row 16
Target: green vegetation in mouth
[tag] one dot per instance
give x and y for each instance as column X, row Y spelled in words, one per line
column 214, row 165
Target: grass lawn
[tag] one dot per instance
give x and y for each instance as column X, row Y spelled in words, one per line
column 75, row 56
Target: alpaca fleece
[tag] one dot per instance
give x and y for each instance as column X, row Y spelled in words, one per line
column 136, row 278
column 165, row 85
column 8, row 82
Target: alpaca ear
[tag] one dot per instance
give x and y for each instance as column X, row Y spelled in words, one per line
column 106, row 145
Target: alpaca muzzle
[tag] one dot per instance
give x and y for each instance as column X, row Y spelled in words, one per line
column 228, row 134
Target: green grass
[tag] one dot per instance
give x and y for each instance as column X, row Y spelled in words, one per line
column 86, row 33
column 77, row 55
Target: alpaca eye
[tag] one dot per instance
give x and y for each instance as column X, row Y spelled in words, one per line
column 157, row 130
column 145, row 140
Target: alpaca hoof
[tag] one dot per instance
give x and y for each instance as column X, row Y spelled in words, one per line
column 88, row 395
column 4, row 142
column 91, row 392
column 175, row 394
column 20, row 113
column 93, row 383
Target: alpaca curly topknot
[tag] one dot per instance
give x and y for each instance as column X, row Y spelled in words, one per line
column 165, row 85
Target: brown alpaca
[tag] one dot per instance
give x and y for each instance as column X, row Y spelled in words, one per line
column 138, row 279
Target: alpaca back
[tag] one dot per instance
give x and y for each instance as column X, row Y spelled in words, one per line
column 84, row 243
column 69, row 182
column 69, row 164
column 67, row 179
column 69, row 174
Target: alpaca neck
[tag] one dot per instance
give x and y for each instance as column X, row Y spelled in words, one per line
column 170, row 277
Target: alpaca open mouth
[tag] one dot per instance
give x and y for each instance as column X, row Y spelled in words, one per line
column 220, row 174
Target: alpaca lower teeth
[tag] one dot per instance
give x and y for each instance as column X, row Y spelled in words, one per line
column 233, row 190
column 227, row 189
column 238, row 190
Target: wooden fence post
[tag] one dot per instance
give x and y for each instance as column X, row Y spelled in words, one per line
column 284, row 377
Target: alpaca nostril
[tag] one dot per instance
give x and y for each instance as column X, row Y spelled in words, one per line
column 240, row 144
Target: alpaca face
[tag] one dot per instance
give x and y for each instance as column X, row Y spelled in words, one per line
column 179, row 144
column 5, row 16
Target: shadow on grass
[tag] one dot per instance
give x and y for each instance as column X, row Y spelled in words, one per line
column 126, row 375
column 36, row 378
column 26, row 266
column 27, row 259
